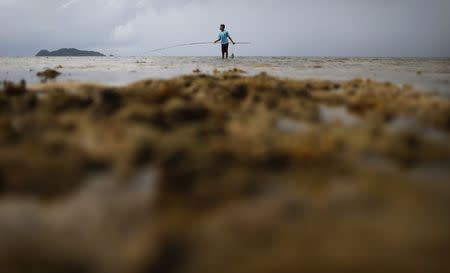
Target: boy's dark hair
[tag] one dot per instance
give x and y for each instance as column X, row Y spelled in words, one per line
column 222, row 25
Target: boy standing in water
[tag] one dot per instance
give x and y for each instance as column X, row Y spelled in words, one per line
column 223, row 38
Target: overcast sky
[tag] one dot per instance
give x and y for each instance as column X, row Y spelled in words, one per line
column 275, row 27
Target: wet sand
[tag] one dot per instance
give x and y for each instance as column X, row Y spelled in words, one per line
column 224, row 172
column 425, row 74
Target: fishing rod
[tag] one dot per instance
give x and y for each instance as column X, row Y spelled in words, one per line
column 192, row 44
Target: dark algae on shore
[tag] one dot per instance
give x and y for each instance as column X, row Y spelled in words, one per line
column 224, row 173
column 48, row 74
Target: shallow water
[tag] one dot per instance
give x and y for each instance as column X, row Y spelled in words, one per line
column 422, row 73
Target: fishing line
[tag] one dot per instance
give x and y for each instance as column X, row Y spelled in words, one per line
column 192, row 44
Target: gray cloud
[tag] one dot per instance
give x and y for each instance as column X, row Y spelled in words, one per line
column 285, row 27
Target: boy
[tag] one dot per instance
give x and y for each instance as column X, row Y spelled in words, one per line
column 223, row 38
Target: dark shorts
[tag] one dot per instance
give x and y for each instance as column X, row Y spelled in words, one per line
column 225, row 48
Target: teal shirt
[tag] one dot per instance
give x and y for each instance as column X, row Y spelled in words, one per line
column 223, row 37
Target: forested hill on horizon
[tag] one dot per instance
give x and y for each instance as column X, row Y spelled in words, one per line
column 69, row 52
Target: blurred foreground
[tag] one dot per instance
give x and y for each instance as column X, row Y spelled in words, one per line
column 224, row 173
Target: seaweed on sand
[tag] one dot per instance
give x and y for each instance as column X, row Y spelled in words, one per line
column 48, row 74
column 204, row 173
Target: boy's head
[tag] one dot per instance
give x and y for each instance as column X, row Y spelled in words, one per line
column 222, row 27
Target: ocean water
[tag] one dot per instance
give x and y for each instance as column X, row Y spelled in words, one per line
column 422, row 73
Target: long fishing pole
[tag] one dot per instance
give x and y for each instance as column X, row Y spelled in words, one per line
column 191, row 44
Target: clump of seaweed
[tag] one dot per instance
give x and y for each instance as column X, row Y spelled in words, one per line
column 48, row 74
column 237, row 70
column 12, row 89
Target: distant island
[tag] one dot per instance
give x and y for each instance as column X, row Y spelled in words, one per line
column 69, row 52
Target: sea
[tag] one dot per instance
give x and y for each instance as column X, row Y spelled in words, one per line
column 425, row 74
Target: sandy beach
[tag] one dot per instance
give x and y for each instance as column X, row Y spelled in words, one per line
column 228, row 170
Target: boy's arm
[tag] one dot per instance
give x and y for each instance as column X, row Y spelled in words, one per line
column 231, row 39
column 217, row 40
